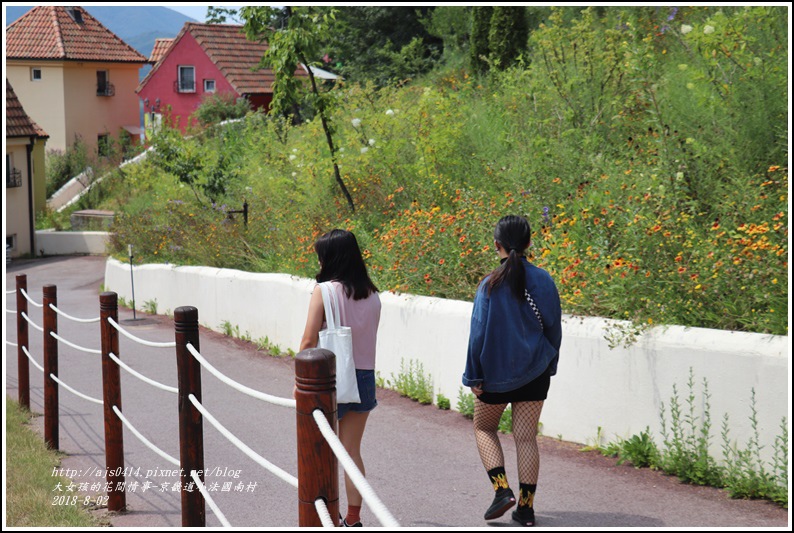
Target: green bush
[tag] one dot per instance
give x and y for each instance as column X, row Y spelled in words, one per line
column 217, row 107
column 61, row 166
column 654, row 196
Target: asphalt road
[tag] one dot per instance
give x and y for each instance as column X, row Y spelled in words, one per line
column 422, row 462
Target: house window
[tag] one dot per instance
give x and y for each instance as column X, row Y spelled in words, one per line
column 103, row 144
column 11, row 243
column 35, row 74
column 13, row 175
column 209, row 86
column 103, row 85
column 187, row 79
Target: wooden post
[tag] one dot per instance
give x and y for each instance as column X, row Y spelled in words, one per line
column 191, row 426
column 23, row 365
column 50, row 366
column 318, row 470
column 111, row 395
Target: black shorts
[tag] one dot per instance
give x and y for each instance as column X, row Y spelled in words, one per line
column 534, row 391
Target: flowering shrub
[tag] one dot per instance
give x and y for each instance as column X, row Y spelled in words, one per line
column 653, row 193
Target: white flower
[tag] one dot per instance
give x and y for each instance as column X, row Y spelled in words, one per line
column 389, row 112
column 356, row 122
column 342, row 149
column 708, row 29
column 294, row 174
column 372, row 142
column 292, row 156
column 364, row 149
column 686, row 28
column 679, row 175
column 295, row 150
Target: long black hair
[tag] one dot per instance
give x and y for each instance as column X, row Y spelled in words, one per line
column 341, row 260
column 512, row 233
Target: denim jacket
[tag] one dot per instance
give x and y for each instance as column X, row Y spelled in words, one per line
column 507, row 346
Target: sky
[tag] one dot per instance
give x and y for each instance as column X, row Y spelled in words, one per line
column 197, row 12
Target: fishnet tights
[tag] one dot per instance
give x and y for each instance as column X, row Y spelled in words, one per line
column 525, row 432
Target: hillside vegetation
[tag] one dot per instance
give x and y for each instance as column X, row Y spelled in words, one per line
column 647, row 148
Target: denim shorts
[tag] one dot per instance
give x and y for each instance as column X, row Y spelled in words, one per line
column 366, row 392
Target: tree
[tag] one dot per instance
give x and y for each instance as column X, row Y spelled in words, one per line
column 295, row 40
column 381, row 43
column 479, row 47
column 508, row 35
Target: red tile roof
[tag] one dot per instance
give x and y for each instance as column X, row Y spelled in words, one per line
column 159, row 50
column 233, row 54
column 50, row 32
column 18, row 123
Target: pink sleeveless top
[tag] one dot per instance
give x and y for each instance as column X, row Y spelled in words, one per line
column 362, row 317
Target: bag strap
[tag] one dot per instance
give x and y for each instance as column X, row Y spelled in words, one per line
column 331, row 305
column 534, row 307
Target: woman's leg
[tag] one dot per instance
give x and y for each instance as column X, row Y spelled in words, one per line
column 486, row 424
column 526, row 416
column 351, row 432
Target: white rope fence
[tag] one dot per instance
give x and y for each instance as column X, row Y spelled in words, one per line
column 11, row 310
column 358, row 479
column 24, row 349
column 28, row 298
column 278, row 472
column 11, row 292
column 284, row 402
column 75, row 392
column 209, row 500
column 322, row 512
column 75, row 346
column 139, row 340
column 140, row 376
column 36, row 326
column 12, row 343
column 143, row 439
column 85, row 320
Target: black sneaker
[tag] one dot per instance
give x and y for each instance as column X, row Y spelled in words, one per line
column 524, row 516
column 503, row 501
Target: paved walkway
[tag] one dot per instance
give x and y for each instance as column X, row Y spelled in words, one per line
column 422, row 462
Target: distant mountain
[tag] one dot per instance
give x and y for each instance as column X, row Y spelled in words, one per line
column 138, row 26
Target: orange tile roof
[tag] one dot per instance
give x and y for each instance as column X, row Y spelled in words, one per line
column 159, row 50
column 50, row 32
column 18, row 123
column 233, row 54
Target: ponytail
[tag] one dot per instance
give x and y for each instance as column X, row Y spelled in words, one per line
column 512, row 233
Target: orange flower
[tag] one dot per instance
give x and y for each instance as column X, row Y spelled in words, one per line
column 441, row 262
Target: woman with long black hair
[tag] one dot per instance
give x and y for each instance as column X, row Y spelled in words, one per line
column 514, row 346
column 342, row 264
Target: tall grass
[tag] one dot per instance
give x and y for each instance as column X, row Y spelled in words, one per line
column 30, row 490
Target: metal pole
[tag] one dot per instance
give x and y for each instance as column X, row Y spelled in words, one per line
column 111, row 390
column 318, row 470
column 23, row 365
column 132, row 281
column 50, row 319
column 191, row 427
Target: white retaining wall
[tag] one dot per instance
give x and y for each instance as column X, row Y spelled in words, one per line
column 619, row 390
column 50, row 242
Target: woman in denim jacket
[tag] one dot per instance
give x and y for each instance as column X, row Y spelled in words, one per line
column 514, row 346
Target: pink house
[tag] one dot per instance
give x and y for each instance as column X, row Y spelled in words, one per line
column 204, row 59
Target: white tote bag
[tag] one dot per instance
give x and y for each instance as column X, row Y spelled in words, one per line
column 339, row 340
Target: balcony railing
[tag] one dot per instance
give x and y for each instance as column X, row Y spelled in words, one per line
column 13, row 178
column 184, row 86
column 105, row 89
